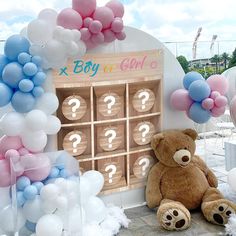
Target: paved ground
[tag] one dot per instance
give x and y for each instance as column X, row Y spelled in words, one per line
column 144, row 221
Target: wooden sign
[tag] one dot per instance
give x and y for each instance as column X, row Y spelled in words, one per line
column 120, row 109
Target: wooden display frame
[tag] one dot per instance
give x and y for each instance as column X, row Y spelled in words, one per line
column 147, row 73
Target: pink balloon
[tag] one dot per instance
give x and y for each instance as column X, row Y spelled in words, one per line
column 12, row 155
column 69, row 19
column 7, row 143
column 208, row 103
column 23, row 151
column 84, row 7
column 221, row 101
column 217, row 111
column 180, row 100
column 104, row 15
column 218, row 83
column 90, row 44
column 5, row 174
column 2, row 157
column 85, row 34
column 87, row 22
column 121, row 35
column 232, row 108
column 109, row 36
column 117, row 8
column 117, row 25
column 98, row 38
column 95, row 27
column 214, row 95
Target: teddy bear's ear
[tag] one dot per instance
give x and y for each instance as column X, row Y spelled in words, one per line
column 156, row 139
column 191, row 133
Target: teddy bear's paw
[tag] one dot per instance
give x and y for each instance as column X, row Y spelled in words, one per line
column 175, row 219
column 221, row 212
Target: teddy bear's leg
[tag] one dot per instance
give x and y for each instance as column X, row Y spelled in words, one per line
column 216, row 208
column 173, row 215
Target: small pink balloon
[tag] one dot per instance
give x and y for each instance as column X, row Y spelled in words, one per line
column 95, row 27
column 105, row 16
column 121, row 35
column 117, row 8
column 7, row 143
column 98, row 38
column 87, row 22
column 221, row 101
column 12, row 155
column 90, row 44
column 2, row 157
column 218, row 83
column 214, row 95
column 69, row 19
column 217, row 111
column 109, row 36
column 180, row 100
column 208, row 103
column 5, row 174
column 84, row 7
column 117, row 25
column 85, row 34
column 23, row 151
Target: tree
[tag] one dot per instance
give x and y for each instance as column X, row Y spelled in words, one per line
column 183, row 62
column 232, row 61
column 225, row 57
column 216, row 60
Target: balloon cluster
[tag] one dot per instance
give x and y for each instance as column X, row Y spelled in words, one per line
column 53, row 43
column 96, row 24
column 201, row 99
column 21, row 75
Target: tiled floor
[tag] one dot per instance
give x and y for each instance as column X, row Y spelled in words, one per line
column 143, row 220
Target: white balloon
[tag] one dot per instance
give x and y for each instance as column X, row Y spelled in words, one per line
column 12, row 124
column 82, row 49
column 32, row 209
column 36, row 120
column 96, row 181
column 95, row 210
column 23, row 32
column 49, row 225
column 76, row 35
column 53, row 125
column 232, row 179
column 76, row 220
column 36, row 50
column 62, row 203
column 49, row 15
column 48, row 103
column 72, row 49
column 57, row 32
column 66, row 36
column 85, row 190
column 49, row 206
column 39, row 32
column 49, row 192
column 5, row 197
column 34, row 141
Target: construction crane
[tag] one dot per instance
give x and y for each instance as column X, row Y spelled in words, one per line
column 214, row 37
column 194, row 49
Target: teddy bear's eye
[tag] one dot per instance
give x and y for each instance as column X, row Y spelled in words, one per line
column 185, row 148
column 177, row 149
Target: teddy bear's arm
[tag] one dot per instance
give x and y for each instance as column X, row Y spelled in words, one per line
column 153, row 192
column 211, row 178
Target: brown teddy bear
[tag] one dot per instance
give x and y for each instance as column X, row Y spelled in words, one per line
column 181, row 181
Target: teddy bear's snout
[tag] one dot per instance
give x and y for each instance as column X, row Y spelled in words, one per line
column 182, row 157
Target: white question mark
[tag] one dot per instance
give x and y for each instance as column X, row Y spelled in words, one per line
column 112, row 134
column 112, row 172
column 144, row 129
column 111, row 101
column 75, row 107
column 77, row 141
column 145, row 96
column 144, row 162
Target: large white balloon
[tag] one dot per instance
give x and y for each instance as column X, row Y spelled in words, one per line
column 49, row 15
column 53, row 125
column 96, row 181
column 232, row 179
column 49, row 225
column 12, row 124
column 34, row 141
column 36, row 120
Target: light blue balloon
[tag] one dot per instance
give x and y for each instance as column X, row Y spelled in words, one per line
column 23, row 102
column 20, row 199
column 24, row 58
column 5, row 94
column 38, row 185
column 54, row 173
column 22, row 183
column 39, row 78
column 30, row 69
column 30, row 192
column 30, row 226
column 12, row 74
column 199, row 90
column 14, row 45
column 3, row 62
column 26, row 85
column 198, row 114
column 190, row 77
column 37, row 60
column 38, row 91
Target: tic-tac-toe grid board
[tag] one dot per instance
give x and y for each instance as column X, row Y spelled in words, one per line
column 110, row 106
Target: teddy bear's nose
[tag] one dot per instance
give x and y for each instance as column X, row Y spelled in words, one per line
column 185, row 158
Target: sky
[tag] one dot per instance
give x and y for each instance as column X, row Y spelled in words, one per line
column 167, row 20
